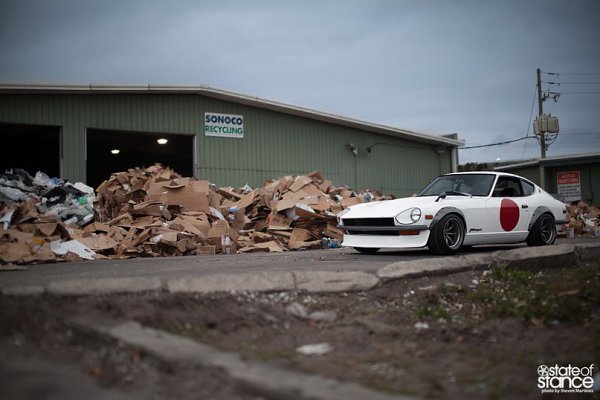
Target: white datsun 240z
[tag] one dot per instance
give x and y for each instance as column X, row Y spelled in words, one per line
column 455, row 210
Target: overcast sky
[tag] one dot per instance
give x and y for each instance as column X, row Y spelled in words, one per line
column 430, row 66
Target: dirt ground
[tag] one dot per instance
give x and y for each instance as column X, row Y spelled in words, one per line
column 478, row 334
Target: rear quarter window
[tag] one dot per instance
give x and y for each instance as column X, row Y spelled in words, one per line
column 528, row 188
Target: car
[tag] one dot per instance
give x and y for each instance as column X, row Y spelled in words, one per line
column 457, row 210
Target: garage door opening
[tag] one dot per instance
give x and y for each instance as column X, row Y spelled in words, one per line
column 114, row 151
column 30, row 147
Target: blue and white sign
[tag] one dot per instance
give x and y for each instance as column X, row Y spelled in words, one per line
column 224, row 125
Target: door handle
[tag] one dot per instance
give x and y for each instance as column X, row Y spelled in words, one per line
column 524, row 206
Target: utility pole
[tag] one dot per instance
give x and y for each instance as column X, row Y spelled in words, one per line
column 541, row 113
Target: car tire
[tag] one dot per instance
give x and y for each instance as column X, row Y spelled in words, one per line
column 543, row 232
column 447, row 236
column 367, row 250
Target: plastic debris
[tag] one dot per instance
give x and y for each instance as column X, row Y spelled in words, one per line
column 317, row 349
column 421, row 325
column 72, row 246
column 299, row 311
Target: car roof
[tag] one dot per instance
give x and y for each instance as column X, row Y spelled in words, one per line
column 495, row 173
column 483, row 173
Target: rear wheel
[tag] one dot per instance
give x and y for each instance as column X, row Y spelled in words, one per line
column 367, row 250
column 447, row 235
column 543, row 231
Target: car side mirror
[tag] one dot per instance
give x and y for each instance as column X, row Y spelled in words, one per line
column 441, row 196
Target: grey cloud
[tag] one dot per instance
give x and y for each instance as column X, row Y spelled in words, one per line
column 436, row 66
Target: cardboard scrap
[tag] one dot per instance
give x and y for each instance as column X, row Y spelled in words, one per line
column 155, row 212
column 583, row 219
column 98, row 242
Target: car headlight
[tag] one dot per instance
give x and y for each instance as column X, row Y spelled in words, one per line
column 339, row 216
column 409, row 216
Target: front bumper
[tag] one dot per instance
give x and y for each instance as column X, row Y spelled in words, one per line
column 387, row 241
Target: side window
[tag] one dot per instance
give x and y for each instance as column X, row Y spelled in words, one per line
column 528, row 188
column 508, row 187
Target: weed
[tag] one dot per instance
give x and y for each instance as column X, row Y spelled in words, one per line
column 438, row 303
column 570, row 297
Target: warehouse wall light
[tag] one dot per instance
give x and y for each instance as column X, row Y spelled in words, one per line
column 115, row 151
column 162, row 141
column 352, row 147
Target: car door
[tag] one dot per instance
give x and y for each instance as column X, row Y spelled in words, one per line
column 508, row 211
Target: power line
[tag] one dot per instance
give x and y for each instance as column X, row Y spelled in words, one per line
column 572, row 73
column 571, row 144
column 530, row 117
column 497, row 144
column 574, row 83
column 579, row 92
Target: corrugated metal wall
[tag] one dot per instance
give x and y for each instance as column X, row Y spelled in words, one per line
column 530, row 172
column 274, row 144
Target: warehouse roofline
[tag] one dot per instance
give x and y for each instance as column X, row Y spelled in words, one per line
column 447, row 140
column 554, row 161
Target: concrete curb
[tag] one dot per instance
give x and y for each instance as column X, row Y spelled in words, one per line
column 103, row 286
column 226, row 282
column 272, row 382
column 434, row 266
column 309, row 281
column 588, row 252
column 314, row 281
column 23, row 291
column 562, row 255
column 329, row 282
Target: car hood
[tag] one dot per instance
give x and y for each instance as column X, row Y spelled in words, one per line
column 389, row 208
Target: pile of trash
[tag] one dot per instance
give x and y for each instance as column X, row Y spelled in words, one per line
column 582, row 220
column 35, row 215
column 155, row 212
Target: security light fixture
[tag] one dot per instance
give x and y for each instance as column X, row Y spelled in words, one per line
column 352, row 147
column 162, row 141
column 115, row 151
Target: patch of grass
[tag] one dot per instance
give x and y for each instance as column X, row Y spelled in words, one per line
column 438, row 303
column 569, row 297
column 431, row 310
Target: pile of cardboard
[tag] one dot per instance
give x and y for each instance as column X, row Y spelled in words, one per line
column 583, row 219
column 155, row 212
column 29, row 238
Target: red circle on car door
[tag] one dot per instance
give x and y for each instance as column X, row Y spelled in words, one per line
column 509, row 214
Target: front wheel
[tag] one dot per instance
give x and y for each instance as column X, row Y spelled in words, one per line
column 367, row 250
column 543, row 231
column 447, row 236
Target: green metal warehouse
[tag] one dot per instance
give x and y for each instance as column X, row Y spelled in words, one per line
column 73, row 131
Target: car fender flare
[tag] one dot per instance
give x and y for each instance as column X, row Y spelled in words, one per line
column 445, row 211
column 537, row 214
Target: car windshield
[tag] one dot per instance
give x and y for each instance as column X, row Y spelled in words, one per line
column 460, row 184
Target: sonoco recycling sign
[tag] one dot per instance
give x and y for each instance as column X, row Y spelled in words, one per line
column 224, row 125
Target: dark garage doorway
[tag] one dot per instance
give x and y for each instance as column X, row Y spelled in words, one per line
column 30, row 147
column 136, row 149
